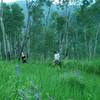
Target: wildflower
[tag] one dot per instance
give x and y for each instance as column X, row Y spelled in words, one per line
column 17, row 70
column 22, row 94
column 37, row 96
column 49, row 97
column 70, row 99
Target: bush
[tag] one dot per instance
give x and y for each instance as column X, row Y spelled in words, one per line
column 87, row 66
column 71, row 64
column 91, row 67
column 77, row 84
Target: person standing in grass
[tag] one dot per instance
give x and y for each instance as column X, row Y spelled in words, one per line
column 23, row 58
column 57, row 59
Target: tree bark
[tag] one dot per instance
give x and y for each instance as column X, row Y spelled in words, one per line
column 3, row 32
column 85, row 44
column 26, row 40
column 45, row 30
column 8, row 48
column 95, row 44
column 90, row 48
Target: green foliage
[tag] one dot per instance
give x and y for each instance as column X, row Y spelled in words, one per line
column 49, row 29
column 60, row 23
column 92, row 67
column 38, row 12
column 76, row 84
column 48, row 3
column 88, row 24
column 50, row 42
column 89, row 15
column 17, row 17
column 7, row 14
column 41, row 81
column 13, row 19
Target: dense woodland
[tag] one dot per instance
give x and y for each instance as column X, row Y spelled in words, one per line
column 74, row 32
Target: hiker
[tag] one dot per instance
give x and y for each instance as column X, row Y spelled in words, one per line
column 57, row 58
column 23, row 58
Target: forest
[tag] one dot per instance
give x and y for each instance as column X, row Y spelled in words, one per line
column 42, row 27
column 71, row 29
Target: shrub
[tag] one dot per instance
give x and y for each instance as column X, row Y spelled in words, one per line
column 87, row 66
column 76, row 83
column 91, row 67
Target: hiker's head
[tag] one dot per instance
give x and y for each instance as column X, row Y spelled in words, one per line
column 22, row 53
column 55, row 52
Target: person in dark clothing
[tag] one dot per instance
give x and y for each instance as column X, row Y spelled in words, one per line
column 23, row 58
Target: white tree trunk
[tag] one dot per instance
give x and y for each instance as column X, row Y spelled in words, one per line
column 4, row 38
column 90, row 48
column 95, row 44
column 3, row 30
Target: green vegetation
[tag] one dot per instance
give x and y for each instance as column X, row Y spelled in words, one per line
column 48, row 27
column 76, row 80
column 73, row 31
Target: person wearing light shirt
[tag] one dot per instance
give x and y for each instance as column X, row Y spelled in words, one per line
column 57, row 58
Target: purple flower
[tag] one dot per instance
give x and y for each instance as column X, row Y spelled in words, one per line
column 17, row 70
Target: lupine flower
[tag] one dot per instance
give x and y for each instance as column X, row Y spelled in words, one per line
column 17, row 70
column 22, row 95
column 49, row 97
column 37, row 96
column 35, row 91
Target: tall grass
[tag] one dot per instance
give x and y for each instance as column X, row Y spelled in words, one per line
column 42, row 82
column 92, row 66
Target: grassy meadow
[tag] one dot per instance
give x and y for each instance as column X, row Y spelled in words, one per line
column 76, row 80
